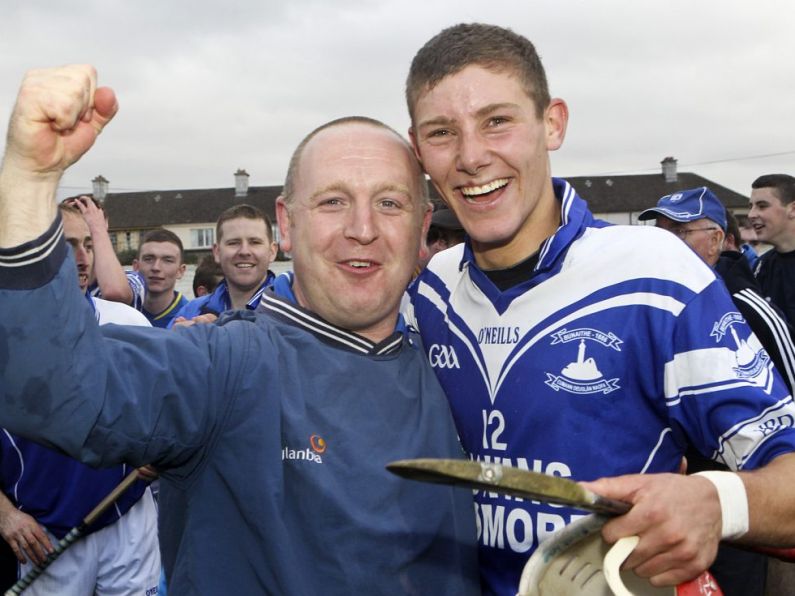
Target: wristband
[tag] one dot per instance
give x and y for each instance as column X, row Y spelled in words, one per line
column 733, row 502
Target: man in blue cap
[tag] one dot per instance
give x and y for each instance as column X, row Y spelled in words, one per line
column 699, row 218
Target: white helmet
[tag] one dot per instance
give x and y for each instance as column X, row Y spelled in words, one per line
column 576, row 561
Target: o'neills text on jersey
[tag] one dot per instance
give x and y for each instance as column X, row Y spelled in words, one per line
column 498, row 335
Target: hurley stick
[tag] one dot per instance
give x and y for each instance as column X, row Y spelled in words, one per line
column 74, row 534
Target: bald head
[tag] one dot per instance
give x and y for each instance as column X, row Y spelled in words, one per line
column 352, row 123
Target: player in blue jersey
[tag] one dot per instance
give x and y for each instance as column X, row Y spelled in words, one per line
column 244, row 249
column 160, row 262
column 270, row 429
column 579, row 349
column 45, row 493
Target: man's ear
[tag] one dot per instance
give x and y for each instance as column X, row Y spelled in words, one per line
column 216, row 255
column 181, row 270
column 283, row 221
column 414, row 146
column 718, row 239
column 426, row 223
column 135, row 264
column 556, row 119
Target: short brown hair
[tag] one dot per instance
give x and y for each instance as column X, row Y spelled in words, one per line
column 68, row 207
column 783, row 184
column 206, row 273
column 489, row 46
column 162, row 235
column 295, row 161
column 733, row 228
column 243, row 211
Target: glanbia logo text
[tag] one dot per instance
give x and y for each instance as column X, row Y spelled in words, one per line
column 312, row 453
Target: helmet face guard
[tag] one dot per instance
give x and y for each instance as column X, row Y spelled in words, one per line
column 576, row 561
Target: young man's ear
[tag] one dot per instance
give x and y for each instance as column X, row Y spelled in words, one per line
column 414, row 146
column 181, row 270
column 135, row 264
column 426, row 223
column 556, row 119
column 283, row 221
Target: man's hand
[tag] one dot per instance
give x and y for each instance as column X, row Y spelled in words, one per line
column 678, row 519
column 26, row 537
column 148, row 473
column 204, row 319
column 93, row 215
column 58, row 114
column 57, row 117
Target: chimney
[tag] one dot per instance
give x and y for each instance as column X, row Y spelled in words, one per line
column 100, row 188
column 241, row 183
column 669, row 169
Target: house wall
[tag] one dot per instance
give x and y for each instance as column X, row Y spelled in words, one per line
column 123, row 240
column 191, row 235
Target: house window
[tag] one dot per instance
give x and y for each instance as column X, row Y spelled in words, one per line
column 202, row 238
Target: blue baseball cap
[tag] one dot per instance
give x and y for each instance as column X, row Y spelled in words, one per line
column 689, row 205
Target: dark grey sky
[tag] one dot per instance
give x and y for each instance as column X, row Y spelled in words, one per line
column 208, row 87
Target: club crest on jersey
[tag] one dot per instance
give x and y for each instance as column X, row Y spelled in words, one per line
column 609, row 339
column 750, row 363
column 582, row 376
column 720, row 328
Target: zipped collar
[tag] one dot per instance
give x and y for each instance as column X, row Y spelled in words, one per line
column 221, row 301
column 574, row 217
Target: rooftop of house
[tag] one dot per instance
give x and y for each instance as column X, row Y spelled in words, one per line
column 604, row 194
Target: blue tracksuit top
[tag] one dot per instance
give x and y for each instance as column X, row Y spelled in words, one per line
column 219, row 300
column 271, row 435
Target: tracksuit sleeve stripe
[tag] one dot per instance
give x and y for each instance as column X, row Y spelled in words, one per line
column 33, row 264
column 779, row 331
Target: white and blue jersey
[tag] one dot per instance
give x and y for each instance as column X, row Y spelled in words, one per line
column 137, row 285
column 620, row 350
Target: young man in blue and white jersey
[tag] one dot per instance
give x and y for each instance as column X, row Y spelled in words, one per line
column 46, row 493
column 579, row 349
column 270, row 430
column 161, row 263
column 244, row 249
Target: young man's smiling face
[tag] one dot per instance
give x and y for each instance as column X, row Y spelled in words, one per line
column 771, row 219
column 161, row 265
column 479, row 138
column 244, row 251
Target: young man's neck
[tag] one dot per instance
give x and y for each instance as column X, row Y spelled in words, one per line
column 239, row 298
column 786, row 242
column 157, row 303
column 542, row 223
